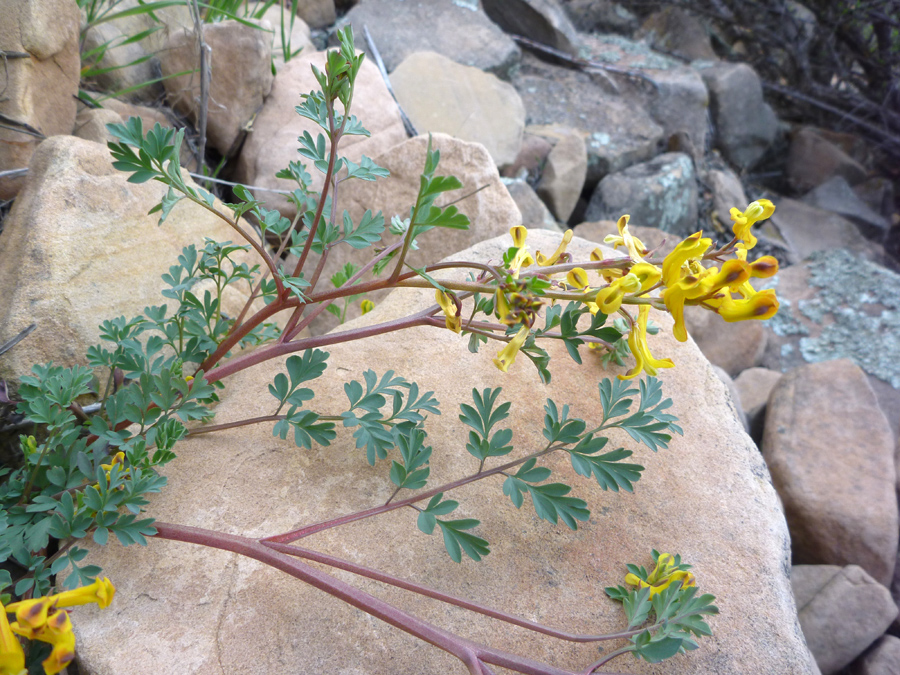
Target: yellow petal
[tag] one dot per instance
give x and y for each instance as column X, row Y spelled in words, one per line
column 101, row 592
column 507, row 355
column 552, row 260
column 578, row 278
column 519, row 234
column 12, row 656
column 692, row 247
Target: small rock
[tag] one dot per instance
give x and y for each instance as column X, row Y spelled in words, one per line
column 317, row 13
column 440, row 95
column 808, row 229
column 732, row 346
column 882, row 658
column 273, row 142
column 812, row 160
column 660, row 193
column 120, row 57
column 460, row 31
column 531, row 158
column 680, row 104
column 728, row 193
column 534, row 212
column 564, row 172
column 754, row 386
column 842, row 611
column 542, row 21
column 38, row 91
column 677, row 31
column 745, row 124
column 91, row 125
column 878, row 194
column 601, row 16
column 831, row 454
column 837, row 196
column 733, row 396
column 241, row 78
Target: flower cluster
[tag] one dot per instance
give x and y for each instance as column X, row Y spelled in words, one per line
column 668, row 569
column 691, row 274
column 45, row 620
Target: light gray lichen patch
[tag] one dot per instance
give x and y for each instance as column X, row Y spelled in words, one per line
column 862, row 300
column 784, row 323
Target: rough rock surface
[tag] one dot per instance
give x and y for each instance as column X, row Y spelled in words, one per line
column 38, row 91
column 317, row 13
column 745, row 124
column 196, row 611
column 459, row 30
column 273, row 142
column 441, row 95
column 831, row 454
column 564, row 171
column 838, row 305
column 542, row 21
column 534, row 212
column 491, row 211
column 660, row 193
column 733, row 396
column 75, row 252
column 240, row 78
column 813, row 159
column 617, row 133
column 808, row 229
column 837, row 196
column 299, row 33
column 882, row 658
column 90, row 125
column 676, row 31
column 842, row 612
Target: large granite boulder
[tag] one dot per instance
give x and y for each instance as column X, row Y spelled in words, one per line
column 708, row 496
column 79, row 248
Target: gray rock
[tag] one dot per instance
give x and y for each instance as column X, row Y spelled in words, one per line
column 458, row 30
column 839, row 305
column 440, row 95
column 842, row 611
column 813, row 159
column 617, row 133
column 543, row 21
column 601, row 16
column 831, row 454
column 677, row 31
column 728, row 193
column 837, row 196
column 679, row 103
column 660, row 193
column 882, row 658
column 745, row 124
column 564, row 172
column 807, row 229
column 534, row 211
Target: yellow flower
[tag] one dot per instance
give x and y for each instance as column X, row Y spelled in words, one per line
column 452, row 319
column 366, row 306
column 744, row 221
column 552, row 260
column 640, row 279
column 578, row 278
column 507, row 355
column 637, row 341
column 12, row 656
column 684, row 259
column 632, row 244
column 662, row 576
column 523, row 257
column 101, row 591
